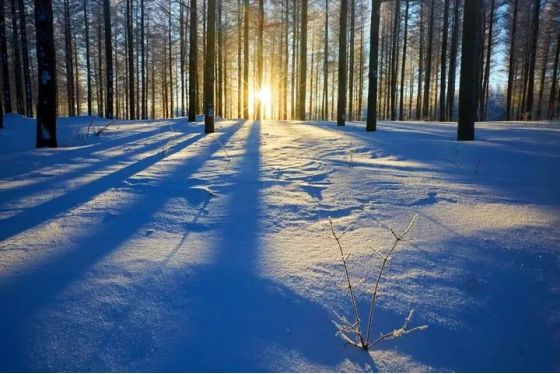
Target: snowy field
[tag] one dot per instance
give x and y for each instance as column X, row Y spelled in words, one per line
column 153, row 247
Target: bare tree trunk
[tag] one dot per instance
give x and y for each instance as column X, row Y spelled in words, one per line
column 371, row 122
column 533, row 58
column 209, row 63
column 552, row 99
column 443, row 64
column 239, row 66
column 453, row 63
column 143, row 66
column 246, row 60
column 17, row 61
column 325, row 99
column 193, row 57
column 543, row 74
column 486, row 84
column 420, row 64
column 401, row 99
column 88, row 61
column 4, row 57
column 511, row 69
column 108, row 59
column 426, row 105
column 395, row 60
column 352, row 66
column 25, row 55
column 468, row 81
column 303, row 62
column 46, row 66
column 260, row 59
column 342, row 68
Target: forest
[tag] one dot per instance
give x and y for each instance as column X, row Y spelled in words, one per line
column 279, row 185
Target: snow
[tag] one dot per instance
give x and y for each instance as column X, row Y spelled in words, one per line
column 154, row 247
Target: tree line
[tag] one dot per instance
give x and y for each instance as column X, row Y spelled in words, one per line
column 336, row 60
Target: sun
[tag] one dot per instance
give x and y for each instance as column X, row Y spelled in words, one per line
column 264, row 96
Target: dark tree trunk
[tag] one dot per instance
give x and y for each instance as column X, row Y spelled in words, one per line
column 401, row 97
column 25, row 55
column 143, row 64
column 303, row 62
column 420, row 64
column 4, row 57
column 246, row 60
column 468, row 79
column 260, row 58
column 239, row 64
column 46, row 67
column 108, row 59
column 88, row 62
column 533, row 58
column 130, row 55
column 395, row 60
column 486, row 84
column 453, row 63
column 352, row 65
column 371, row 122
column 511, row 69
column 552, row 99
column 209, row 63
column 193, row 57
column 342, row 68
column 426, row 105
column 17, row 61
column 543, row 74
column 443, row 64
column 325, row 101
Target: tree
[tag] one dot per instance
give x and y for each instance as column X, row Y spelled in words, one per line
column 468, row 80
column 209, row 64
column 25, row 57
column 260, row 59
column 552, row 99
column 17, row 60
column 303, row 62
column 46, row 68
column 371, row 121
column 453, row 63
column 325, row 101
column 342, row 69
column 88, row 62
column 246, row 60
column 193, row 63
column 401, row 100
column 533, row 58
column 426, row 105
column 443, row 64
column 130, row 55
column 511, row 68
column 108, row 58
column 4, row 58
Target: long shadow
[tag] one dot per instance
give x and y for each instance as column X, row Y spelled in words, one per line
column 242, row 321
column 38, row 214
column 23, row 296
column 89, row 168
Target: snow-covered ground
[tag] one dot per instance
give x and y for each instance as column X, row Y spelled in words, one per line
column 153, row 247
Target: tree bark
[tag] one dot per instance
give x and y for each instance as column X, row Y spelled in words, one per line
column 303, row 62
column 342, row 68
column 453, row 63
column 25, row 55
column 209, row 65
column 468, row 80
column 246, row 60
column 371, row 122
column 533, row 58
column 426, row 105
column 4, row 58
column 443, row 64
column 552, row 99
column 401, row 97
column 46, row 67
column 260, row 59
column 108, row 59
column 193, row 57
column 17, row 60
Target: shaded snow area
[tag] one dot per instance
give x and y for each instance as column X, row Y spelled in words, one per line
column 154, row 247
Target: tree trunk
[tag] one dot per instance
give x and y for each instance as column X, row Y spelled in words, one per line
column 88, row 61
column 533, row 58
column 193, row 57
column 443, row 64
column 486, row 84
column 453, row 63
column 4, row 57
column 25, row 55
column 352, row 65
column 468, row 79
column 325, row 101
column 108, row 59
column 371, row 122
column 426, row 105
column 46, row 67
column 246, row 60
column 543, row 74
column 401, row 97
column 552, row 99
column 17, row 61
column 260, row 59
column 342, row 68
column 303, row 62
column 420, row 64
column 511, row 69
column 395, row 60
column 209, row 64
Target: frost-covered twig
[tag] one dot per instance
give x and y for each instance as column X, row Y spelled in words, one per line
column 451, row 162
column 400, row 332
column 478, row 165
column 100, row 130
